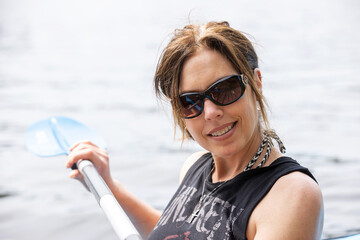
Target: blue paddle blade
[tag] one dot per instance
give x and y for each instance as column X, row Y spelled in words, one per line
column 54, row 136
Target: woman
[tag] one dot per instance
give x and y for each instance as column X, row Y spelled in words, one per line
column 243, row 187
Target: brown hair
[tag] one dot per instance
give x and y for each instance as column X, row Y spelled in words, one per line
column 218, row 36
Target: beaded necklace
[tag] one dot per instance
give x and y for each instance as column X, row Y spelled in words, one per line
column 265, row 142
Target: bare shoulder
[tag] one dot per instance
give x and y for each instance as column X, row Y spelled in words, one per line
column 299, row 193
column 299, row 184
column 295, row 203
column 296, row 192
column 189, row 162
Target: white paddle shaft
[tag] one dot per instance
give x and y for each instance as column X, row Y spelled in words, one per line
column 116, row 215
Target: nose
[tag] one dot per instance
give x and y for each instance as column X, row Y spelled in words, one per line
column 211, row 110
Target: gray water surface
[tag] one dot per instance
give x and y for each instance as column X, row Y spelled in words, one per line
column 94, row 61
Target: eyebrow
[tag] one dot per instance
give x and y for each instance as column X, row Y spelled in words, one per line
column 200, row 91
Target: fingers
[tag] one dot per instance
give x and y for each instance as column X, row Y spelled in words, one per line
column 85, row 150
column 79, row 154
column 87, row 142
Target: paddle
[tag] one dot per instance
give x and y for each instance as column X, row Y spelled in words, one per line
column 52, row 137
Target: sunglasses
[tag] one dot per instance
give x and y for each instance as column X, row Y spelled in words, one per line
column 223, row 92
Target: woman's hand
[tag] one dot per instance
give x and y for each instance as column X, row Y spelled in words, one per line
column 86, row 150
column 143, row 216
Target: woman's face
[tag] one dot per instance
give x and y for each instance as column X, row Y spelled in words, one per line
column 223, row 130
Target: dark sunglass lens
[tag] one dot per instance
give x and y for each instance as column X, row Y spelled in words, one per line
column 227, row 91
column 191, row 105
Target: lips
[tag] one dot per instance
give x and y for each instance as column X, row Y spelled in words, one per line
column 222, row 131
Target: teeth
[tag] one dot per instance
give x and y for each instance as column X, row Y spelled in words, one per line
column 222, row 131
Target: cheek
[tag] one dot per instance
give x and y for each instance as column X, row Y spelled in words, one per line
column 252, row 117
column 195, row 127
column 192, row 126
column 247, row 112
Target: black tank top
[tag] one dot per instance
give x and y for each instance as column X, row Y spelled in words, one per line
column 225, row 213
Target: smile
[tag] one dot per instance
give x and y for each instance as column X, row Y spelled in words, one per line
column 223, row 131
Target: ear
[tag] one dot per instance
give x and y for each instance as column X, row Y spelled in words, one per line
column 258, row 78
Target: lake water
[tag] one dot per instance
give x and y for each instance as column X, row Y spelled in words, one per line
column 94, row 61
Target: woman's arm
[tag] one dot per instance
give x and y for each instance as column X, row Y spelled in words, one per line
column 143, row 216
column 293, row 209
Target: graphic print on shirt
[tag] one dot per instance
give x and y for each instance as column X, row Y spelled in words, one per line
column 215, row 220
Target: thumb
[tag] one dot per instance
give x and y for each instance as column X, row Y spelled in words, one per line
column 75, row 174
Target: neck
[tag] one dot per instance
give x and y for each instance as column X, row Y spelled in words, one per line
column 227, row 167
